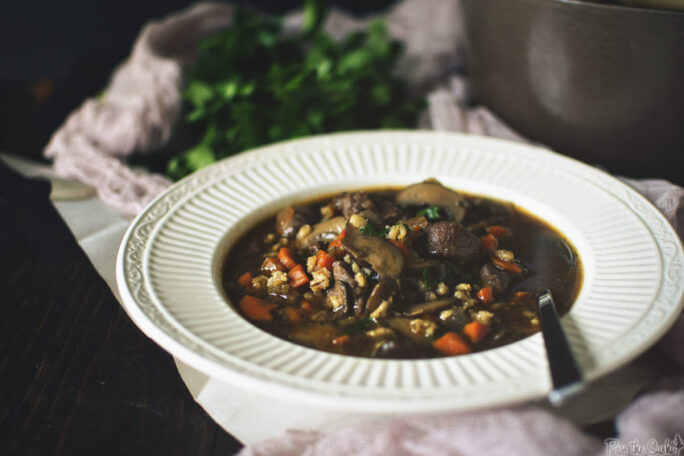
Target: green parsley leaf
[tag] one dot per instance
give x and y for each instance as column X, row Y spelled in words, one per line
column 314, row 15
column 431, row 213
column 357, row 326
column 371, row 229
column 252, row 85
column 429, row 279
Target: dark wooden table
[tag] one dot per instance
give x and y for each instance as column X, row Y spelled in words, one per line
column 77, row 376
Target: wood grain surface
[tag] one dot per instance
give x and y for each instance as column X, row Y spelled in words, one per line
column 76, row 375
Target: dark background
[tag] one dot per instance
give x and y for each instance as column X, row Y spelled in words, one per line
column 53, row 55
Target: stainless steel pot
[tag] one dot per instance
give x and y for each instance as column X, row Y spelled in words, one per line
column 601, row 83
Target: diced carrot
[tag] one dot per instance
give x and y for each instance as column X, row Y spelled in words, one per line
column 338, row 242
column 507, row 265
column 257, row 309
column 298, row 276
column 245, row 280
column 403, row 248
column 451, row 344
column 485, row 295
column 521, row 294
column 475, row 331
column 293, row 314
column 341, row 340
column 324, row 260
column 271, row 264
column 306, row 306
column 488, row 243
column 286, row 257
column 499, row 231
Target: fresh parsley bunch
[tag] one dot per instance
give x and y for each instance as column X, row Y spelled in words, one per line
column 252, row 85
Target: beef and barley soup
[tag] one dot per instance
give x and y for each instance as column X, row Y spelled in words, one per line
column 418, row 272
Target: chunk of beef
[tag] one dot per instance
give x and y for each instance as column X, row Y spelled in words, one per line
column 390, row 212
column 290, row 219
column 496, row 279
column 357, row 203
column 337, row 298
column 452, row 240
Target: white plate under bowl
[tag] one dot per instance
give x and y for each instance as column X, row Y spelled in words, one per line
column 169, row 264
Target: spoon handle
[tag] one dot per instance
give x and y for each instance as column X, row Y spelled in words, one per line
column 565, row 374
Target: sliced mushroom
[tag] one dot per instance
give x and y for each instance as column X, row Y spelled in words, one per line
column 418, row 264
column 382, row 256
column 403, row 326
column 314, row 335
column 342, row 275
column 381, row 292
column 284, row 221
column 323, row 231
column 430, row 306
column 418, row 222
column 434, row 194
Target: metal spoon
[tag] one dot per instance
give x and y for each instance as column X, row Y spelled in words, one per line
column 565, row 373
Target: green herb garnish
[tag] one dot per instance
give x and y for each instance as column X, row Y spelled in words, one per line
column 431, row 213
column 429, row 279
column 252, row 85
column 371, row 229
column 357, row 327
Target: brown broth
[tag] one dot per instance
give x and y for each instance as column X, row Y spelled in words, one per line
column 549, row 259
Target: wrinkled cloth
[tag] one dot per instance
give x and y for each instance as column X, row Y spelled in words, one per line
column 142, row 102
column 524, row 431
column 137, row 113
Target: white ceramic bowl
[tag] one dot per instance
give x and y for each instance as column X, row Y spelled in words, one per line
column 168, row 269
